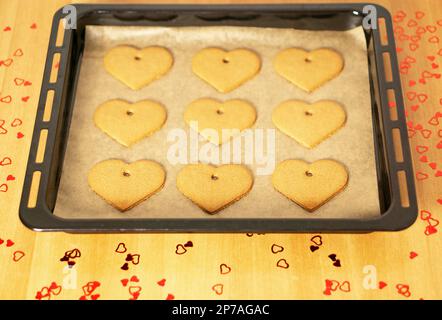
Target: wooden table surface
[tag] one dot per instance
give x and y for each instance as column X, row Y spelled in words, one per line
column 400, row 265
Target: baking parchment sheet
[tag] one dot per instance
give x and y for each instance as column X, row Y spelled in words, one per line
column 352, row 145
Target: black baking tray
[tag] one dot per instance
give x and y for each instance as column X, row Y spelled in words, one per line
column 396, row 213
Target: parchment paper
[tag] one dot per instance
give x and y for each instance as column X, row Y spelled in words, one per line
column 351, row 145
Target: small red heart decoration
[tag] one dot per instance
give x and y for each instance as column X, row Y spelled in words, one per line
column 124, row 282
column 17, row 256
column 4, row 187
column 218, row 288
column 188, row 244
column 19, row 81
column 20, row 135
column 8, row 28
column 180, row 249
column 345, row 286
column 162, row 282
column 277, row 248
column 18, row 53
column 9, row 243
column 95, row 296
column 5, row 161
column 16, row 122
column 421, row 149
column 25, row 99
column 433, row 165
column 413, row 255
column 282, row 263
column 134, row 279
column 170, row 297
column 121, row 248
column 382, row 284
column 419, row 14
column 6, row 99
column 423, row 159
column 224, row 269
column 10, row 178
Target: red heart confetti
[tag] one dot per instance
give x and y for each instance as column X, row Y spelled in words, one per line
column 224, row 269
column 16, row 123
column 433, row 39
column 121, row 248
column 20, row 135
column 6, row 62
column 162, row 282
column 421, row 149
column 170, row 297
column 124, row 282
column 282, row 263
column 10, row 178
column 4, row 187
column 413, row 255
column 277, row 248
column 18, row 255
column 18, row 53
column 218, row 288
column 6, row 161
column 25, row 99
column 6, row 99
column 419, row 14
column 19, row 81
column 180, row 249
column 382, row 285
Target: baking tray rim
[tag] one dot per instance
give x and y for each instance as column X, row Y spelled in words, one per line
column 391, row 220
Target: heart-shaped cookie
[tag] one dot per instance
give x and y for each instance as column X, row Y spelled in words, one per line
column 126, row 185
column 308, row 70
column 127, row 122
column 135, row 67
column 309, row 124
column 310, row 185
column 226, row 70
column 227, row 119
column 214, row 188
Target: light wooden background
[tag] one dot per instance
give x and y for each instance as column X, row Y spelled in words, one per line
column 254, row 273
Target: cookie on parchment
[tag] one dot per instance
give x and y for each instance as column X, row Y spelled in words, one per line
column 137, row 68
column 308, row 70
column 125, row 185
column 223, row 119
column 226, row 70
column 310, row 185
column 309, row 124
column 128, row 122
column 214, row 188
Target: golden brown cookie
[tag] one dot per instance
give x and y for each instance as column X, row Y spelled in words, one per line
column 226, row 70
column 309, row 124
column 126, row 185
column 213, row 114
column 308, row 69
column 127, row 122
column 310, row 185
column 214, row 188
column 137, row 68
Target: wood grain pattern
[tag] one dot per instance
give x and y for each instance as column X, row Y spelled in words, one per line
column 408, row 259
